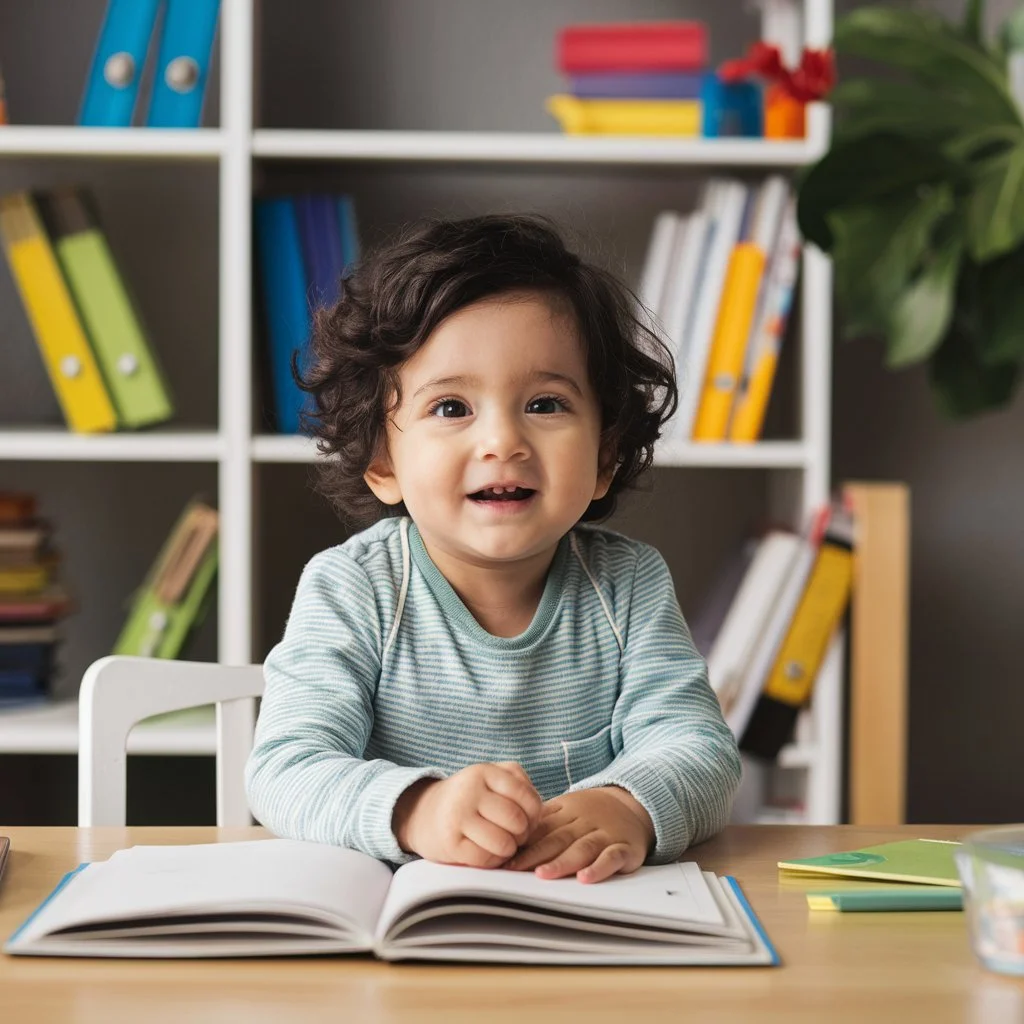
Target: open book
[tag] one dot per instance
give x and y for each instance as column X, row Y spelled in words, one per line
column 279, row 897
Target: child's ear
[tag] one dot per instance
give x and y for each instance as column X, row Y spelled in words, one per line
column 607, row 464
column 380, row 478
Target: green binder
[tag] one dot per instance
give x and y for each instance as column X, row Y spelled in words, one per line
column 130, row 370
column 173, row 598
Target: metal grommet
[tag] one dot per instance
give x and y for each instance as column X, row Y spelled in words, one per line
column 119, row 70
column 127, row 364
column 182, row 74
column 71, row 366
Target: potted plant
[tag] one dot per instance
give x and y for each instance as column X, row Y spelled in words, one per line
column 920, row 199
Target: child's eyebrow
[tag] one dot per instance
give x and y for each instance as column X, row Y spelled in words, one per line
column 538, row 376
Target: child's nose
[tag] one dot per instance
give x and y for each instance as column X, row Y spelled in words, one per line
column 502, row 438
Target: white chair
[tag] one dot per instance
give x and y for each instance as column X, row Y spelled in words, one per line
column 117, row 692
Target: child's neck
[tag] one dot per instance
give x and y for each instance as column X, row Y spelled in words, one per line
column 502, row 597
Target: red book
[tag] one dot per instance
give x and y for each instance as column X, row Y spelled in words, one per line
column 635, row 46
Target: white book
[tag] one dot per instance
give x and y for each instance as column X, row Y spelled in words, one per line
column 727, row 204
column 731, row 654
column 280, row 897
column 770, row 639
column 658, row 260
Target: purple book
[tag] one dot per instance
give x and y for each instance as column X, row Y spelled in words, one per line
column 655, row 85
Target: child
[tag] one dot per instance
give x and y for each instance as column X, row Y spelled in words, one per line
column 479, row 678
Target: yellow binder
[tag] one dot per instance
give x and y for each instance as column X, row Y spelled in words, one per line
column 62, row 341
column 729, row 345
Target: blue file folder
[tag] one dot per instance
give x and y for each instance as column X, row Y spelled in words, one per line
column 113, row 83
column 183, row 63
column 287, row 311
column 320, row 235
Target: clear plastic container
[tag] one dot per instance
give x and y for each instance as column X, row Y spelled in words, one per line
column 991, row 866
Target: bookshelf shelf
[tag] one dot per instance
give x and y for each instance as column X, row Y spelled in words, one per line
column 58, row 445
column 53, row 729
column 111, row 143
column 766, row 454
column 536, row 147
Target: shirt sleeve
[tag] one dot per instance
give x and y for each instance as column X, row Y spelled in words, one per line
column 306, row 777
column 674, row 753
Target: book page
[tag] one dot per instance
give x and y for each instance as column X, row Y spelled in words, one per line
column 340, row 888
column 672, row 896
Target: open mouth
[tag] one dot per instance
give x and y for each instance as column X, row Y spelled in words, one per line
column 496, row 494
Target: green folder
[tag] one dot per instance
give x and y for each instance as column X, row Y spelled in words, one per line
column 129, row 368
column 924, row 861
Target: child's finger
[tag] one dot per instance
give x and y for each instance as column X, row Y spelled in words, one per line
column 610, row 861
column 489, row 837
column 545, row 848
column 580, row 854
column 516, row 787
column 506, row 814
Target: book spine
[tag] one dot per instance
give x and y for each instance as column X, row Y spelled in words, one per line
column 69, row 359
column 657, row 85
column 657, row 46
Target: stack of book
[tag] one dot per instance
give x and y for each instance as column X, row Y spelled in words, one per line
column 720, row 282
column 642, row 78
column 306, row 245
column 31, row 602
column 85, row 323
column 767, row 625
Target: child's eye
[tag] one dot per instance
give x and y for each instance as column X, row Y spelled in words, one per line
column 448, row 408
column 548, row 404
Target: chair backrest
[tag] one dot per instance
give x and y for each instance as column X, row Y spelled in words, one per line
column 117, row 692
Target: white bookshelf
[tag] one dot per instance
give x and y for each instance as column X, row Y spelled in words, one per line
column 799, row 469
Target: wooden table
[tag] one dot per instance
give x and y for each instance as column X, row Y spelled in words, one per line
column 836, row 968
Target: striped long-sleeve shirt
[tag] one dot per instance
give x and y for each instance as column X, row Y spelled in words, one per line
column 384, row 677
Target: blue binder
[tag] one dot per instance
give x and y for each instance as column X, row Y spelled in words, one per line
column 350, row 249
column 183, row 63
column 287, row 312
column 731, row 108
column 320, row 234
column 113, row 83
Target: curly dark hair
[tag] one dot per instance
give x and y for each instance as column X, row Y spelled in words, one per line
column 399, row 294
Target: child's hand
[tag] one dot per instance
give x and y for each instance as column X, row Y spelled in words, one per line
column 592, row 833
column 477, row 817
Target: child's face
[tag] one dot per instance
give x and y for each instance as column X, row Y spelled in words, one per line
column 497, row 396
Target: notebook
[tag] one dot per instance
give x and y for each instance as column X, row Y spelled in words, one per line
column 924, row 861
column 280, row 897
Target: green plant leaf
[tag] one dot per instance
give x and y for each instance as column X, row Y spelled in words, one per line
column 868, row 106
column 1000, row 309
column 995, row 207
column 881, row 247
column 973, row 17
column 865, row 170
column 930, row 49
column 922, row 314
column 964, row 386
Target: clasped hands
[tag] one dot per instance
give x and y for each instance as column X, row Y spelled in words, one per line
column 490, row 815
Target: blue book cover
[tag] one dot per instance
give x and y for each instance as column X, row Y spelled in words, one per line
column 320, row 235
column 350, row 247
column 731, row 109
column 287, row 312
column 34, row 659
column 637, row 85
column 117, row 62
column 183, row 63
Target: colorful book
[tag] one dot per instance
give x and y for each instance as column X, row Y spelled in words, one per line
column 919, row 861
column 795, row 667
column 3, row 99
column 740, row 292
column 126, row 360
column 283, row 275
column 767, row 334
column 70, row 362
column 623, row 85
column 888, row 898
column 320, row 235
column 173, row 597
column 633, row 46
column 351, row 249
column 183, row 63
column 117, row 63
column 624, row 117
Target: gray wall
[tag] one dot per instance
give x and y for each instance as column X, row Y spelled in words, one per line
column 486, row 64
